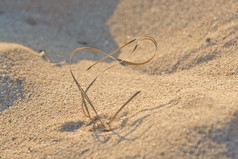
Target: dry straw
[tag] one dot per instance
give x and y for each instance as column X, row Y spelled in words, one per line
column 85, row 99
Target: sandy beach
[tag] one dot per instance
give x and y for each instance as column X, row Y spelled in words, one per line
column 188, row 101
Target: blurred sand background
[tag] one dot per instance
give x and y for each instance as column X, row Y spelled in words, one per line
column 188, row 105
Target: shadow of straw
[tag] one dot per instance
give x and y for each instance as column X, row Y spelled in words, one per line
column 130, row 125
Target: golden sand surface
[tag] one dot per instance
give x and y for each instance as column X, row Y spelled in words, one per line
column 188, row 104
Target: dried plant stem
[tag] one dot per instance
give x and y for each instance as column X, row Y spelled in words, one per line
column 85, row 98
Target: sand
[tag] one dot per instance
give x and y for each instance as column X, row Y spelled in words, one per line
column 188, row 104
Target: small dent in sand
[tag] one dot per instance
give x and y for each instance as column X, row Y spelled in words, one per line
column 208, row 40
column 31, row 21
column 84, row 151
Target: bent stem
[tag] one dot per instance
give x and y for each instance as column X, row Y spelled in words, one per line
column 85, row 98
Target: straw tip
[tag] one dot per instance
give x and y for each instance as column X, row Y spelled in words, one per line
column 89, row 68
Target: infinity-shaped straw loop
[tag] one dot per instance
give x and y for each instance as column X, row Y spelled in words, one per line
column 84, row 96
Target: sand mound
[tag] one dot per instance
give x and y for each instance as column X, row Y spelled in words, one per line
column 187, row 107
column 180, row 114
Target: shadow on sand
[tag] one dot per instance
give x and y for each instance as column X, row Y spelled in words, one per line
column 127, row 128
column 58, row 27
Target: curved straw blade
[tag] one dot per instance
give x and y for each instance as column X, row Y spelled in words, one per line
column 84, row 96
column 122, row 60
